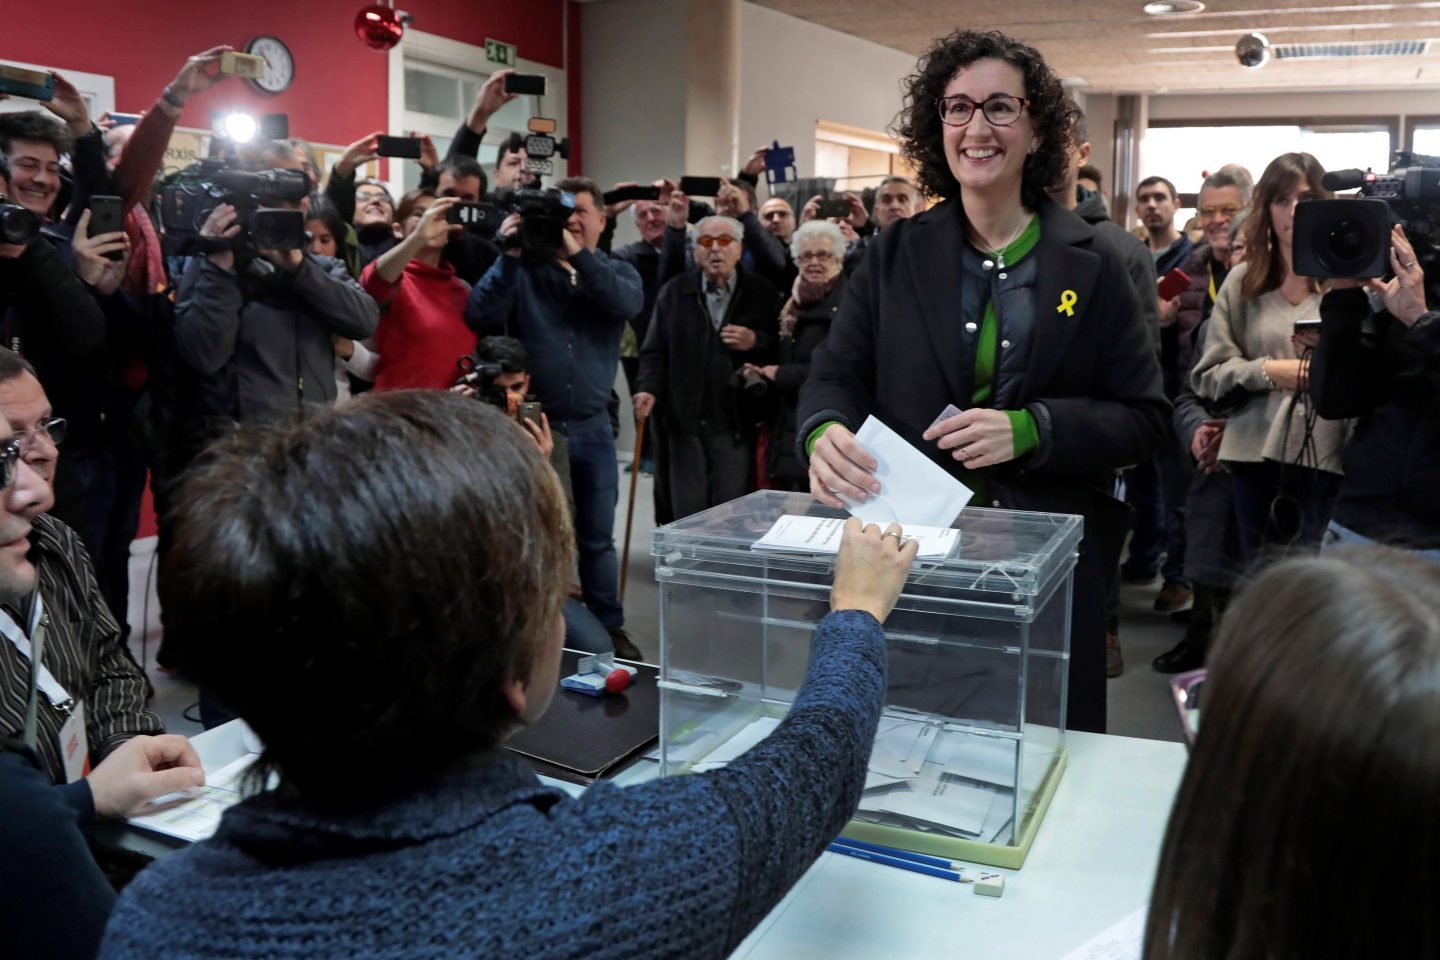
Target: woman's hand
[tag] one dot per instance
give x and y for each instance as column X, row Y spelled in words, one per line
column 871, row 568
column 1405, row 293
column 841, row 467
column 980, row 437
column 1286, row 374
column 768, row 371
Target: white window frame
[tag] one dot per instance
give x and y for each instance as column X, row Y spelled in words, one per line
column 433, row 50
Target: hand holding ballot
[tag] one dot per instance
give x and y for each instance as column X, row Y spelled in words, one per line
column 871, row 568
column 881, row 478
column 841, row 467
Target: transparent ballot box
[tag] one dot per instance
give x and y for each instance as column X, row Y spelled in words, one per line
column 972, row 741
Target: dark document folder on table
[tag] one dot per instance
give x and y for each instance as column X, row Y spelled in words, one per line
column 580, row 738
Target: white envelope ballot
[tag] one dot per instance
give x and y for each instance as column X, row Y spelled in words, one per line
column 913, row 488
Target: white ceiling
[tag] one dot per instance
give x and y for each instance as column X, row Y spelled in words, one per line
column 1114, row 47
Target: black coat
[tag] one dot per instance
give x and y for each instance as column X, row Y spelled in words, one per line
column 686, row 366
column 1374, row 367
column 811, row 328
column 1092, row 383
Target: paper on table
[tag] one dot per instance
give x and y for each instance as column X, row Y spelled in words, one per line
column 198, row 818
column 975, row 757
column 913, row 488
column 935, row 798
column 901, row 747
column 746, row 738
column 797, row 534
column 1122, row 940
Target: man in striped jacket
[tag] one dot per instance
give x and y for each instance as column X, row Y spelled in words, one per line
column 49, row 599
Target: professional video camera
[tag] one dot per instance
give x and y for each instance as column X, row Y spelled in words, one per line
column 1350, row 238
column 543, row 215
column 480, row 376
column 188, row 198
column 17, row 225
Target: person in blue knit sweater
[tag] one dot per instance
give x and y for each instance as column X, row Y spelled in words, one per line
column 377, row 592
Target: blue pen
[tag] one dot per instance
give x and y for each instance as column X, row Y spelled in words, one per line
column 899, row 854
column 910, row 865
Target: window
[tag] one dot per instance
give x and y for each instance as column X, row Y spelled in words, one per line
column 1182, row 154
column 437, row 100
column 856, row 159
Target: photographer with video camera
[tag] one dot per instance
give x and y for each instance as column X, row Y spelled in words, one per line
column 255, row 313
column 568, row 303
column 1382, row 365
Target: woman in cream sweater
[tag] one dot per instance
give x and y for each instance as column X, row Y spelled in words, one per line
column 1285, row 460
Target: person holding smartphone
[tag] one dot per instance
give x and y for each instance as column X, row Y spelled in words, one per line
column 421, row 331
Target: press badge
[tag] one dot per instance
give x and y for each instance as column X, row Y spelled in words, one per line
column 74, row 750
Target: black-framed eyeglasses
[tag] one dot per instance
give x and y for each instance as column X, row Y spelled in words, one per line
column 9, row 462
column 1000, row 109
column 52, row 428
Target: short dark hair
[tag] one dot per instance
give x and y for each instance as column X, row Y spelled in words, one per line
column 406, row 206
column 920, row 131
column 895, row 178
column 582, row 185
column 372, row 182
column 1222, row 178
column 511, row 144
column 1091, row 172
column 462, row 167
column 1151, row 181
column 363, row 583
column 13, row 365
column 1316, row 750
column 506, row 351
column 323, row 210
column 747, row 188
column 5, row 170
column 34, row 125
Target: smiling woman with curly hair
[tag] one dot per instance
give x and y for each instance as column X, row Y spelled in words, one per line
column 1002, row 304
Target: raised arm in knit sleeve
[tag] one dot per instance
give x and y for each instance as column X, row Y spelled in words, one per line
column 770, row 814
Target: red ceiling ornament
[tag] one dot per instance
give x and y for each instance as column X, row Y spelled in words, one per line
column 378, row 26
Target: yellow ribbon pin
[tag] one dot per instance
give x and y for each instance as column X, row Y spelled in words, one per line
column 1067, row 303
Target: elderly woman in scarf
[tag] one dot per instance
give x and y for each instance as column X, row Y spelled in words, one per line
column 818, row 249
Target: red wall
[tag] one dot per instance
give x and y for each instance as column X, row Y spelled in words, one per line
column 339, row 92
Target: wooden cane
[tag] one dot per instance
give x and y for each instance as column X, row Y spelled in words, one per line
column 630, row 510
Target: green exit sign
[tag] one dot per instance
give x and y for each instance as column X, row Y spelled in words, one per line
column 501, row 53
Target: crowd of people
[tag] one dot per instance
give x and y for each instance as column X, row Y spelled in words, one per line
column 1247, row 412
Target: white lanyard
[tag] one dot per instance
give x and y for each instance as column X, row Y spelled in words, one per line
column 45, row 681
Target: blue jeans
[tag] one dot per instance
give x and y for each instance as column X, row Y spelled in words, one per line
column 582, row 631
column 1277, row 508
column 595, row 477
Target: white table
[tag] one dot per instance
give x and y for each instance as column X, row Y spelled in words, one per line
column 1092, row 864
